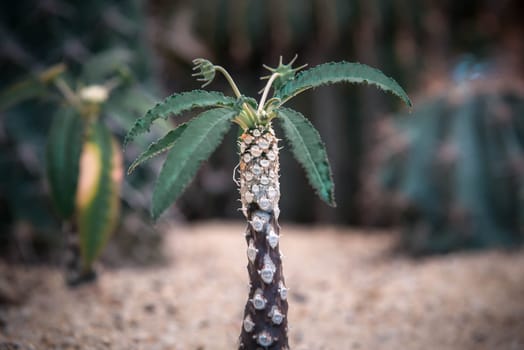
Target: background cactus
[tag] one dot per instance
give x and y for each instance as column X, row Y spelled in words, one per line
column 96, row 43
column 84, row 165
column 91, row 204
column 265, row 314
column 459, row 173
column 83, row 158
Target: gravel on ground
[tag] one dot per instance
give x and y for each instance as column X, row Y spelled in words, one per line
column 347, row 291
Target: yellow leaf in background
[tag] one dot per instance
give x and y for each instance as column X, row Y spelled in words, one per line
column 98, row 194
column 89, row 175
column 117, row 173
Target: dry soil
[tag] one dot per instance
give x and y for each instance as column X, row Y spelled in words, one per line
column 347, row 291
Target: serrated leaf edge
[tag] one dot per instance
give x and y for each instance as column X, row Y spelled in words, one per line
column 330, row 191
column 149, row 153
column 284, row 95
column 144, row 123
column 157, row 210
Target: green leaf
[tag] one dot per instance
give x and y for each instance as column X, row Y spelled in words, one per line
column 98, row 202
column 201, row 137
column 62, row 159
column 162, row 145
column 309, row 151
column 176, row 104
column 337, row 72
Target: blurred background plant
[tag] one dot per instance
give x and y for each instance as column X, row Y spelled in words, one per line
column 84, row 174
column 422, row 44
column 109, row 61
column 456, row 168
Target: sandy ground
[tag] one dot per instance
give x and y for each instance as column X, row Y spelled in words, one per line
column 346, row 292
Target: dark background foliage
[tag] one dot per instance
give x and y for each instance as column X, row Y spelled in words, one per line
column 419, row 43
column 427, row 46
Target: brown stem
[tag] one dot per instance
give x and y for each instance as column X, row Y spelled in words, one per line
column 265, row 314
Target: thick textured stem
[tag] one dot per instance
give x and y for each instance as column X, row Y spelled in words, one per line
column 265, row 315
